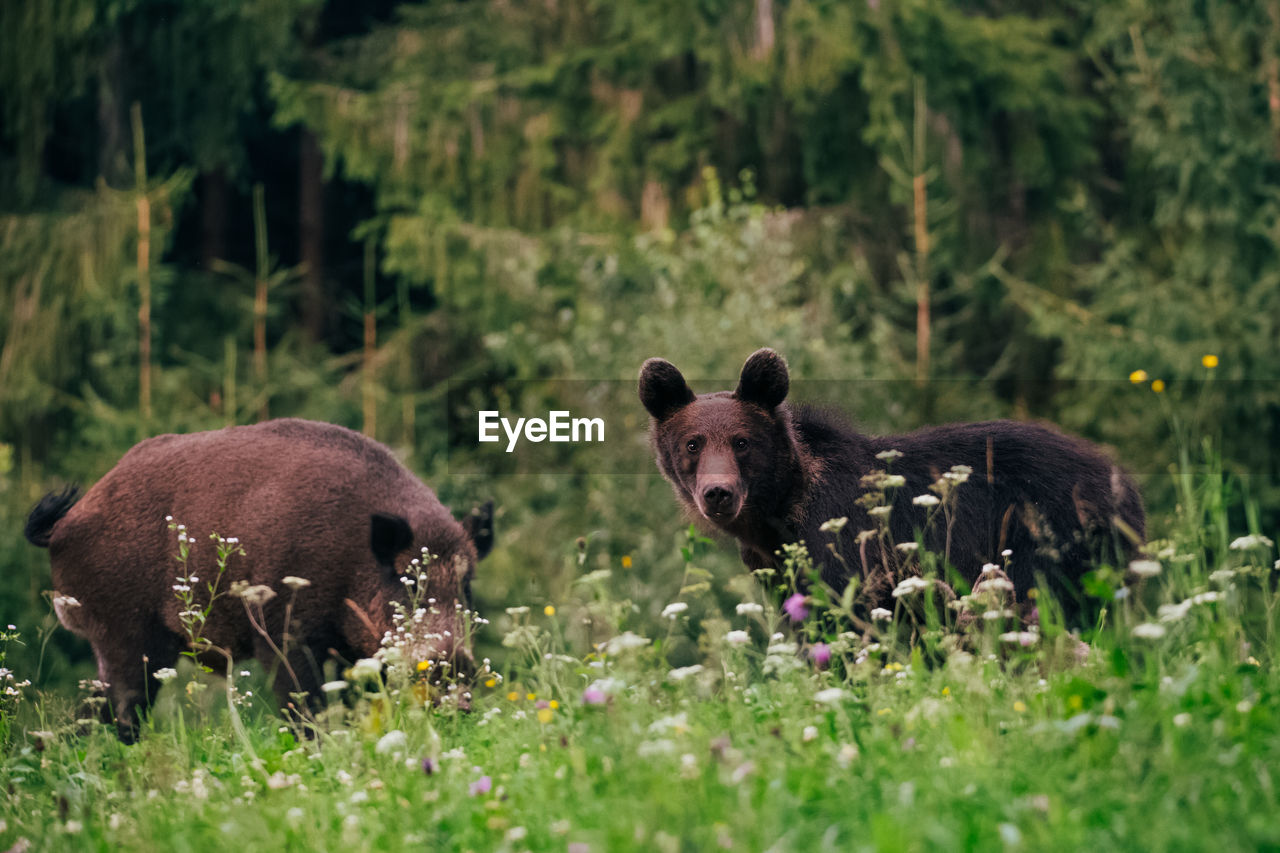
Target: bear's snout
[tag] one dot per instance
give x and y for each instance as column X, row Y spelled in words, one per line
column 720, row 502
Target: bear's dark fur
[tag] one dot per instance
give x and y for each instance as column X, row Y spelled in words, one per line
column 770, row 474
column 306, row 499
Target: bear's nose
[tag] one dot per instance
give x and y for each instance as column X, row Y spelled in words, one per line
column 718, row 499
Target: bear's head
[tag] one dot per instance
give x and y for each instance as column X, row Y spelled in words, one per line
column 728, row 454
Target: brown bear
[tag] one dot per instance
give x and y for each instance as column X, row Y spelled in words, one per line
column 770, row 474
column 309, row 500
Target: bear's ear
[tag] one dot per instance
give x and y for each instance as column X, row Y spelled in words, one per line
column 764, row 380
column 662, row 389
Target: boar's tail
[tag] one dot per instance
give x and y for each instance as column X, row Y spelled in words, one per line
column 47, row 513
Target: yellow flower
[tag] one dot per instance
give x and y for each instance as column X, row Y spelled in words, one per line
column 626, row 561
column 1075, row 702
column 554, row 704
column 1138, row 376
column 545, row 715
column 531, row 696
column 549, row 610
column 946, row 691
column 1210, row 361
column 884, row 712
column 492, row 682
column 1158, row 386
column 1020, row 706
column 424, row 665
column 513, row 696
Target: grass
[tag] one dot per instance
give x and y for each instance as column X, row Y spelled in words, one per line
column 1163, row 733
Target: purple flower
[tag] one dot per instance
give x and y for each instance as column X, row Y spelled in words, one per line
column 483, row 785
column 430, row 765
column 794, row 606
column 820, row 653
column 594, row 696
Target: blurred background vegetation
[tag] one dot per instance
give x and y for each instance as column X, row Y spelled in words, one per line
column 216, row 211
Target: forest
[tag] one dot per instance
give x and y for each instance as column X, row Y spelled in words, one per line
column 388, row 215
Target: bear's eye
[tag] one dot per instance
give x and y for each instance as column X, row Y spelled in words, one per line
column 692, row 445
column 740, row 444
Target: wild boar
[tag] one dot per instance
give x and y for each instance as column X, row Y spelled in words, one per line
column 304, row 499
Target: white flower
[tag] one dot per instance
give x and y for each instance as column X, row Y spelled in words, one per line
column 1149, row 631
column 651, row 748
column 749, row 608
column 366, row 669
column 1173, row 612
column 333, row 686
column 893, row 481
column 909, row 586
column 810, row 733
column 674, row 609
column 683, row 672
column 992, row 615
column 1222, row 576
column 623, row 642
column 678, row 723
column 880, row 511
column 908, row 547
column 1145, row 568
column 926, row 500
column 881, row 615
column 1021, row 638
column 62, row 601
column 997, row 583
column 394, row 742
column 990, row 568
column 833, row 525
column 737, row 638
column 1181, row 720
column 830, row 696
column 848, row 753
column 889, row 455
column 1253, row 540
column 1006, row 553
column 165, row 674
column 517, row 611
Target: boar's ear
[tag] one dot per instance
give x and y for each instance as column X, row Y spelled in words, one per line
column 479, row 527
column 389, row 535
column 662, row 389
column 764, row 379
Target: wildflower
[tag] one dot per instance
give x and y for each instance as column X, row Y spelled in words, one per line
column 1254, row 540
column 366, row 669
column 545, row 715
column 517, row 611
column 1138, row 377
column 661, row 746
column 1145, row 568
column 1209, row 360
column 549, row 610
column 820, row 653
column 674, row 609
column 333, row 686
column 889, row 455
column 794, row 607
column 958, row 474
column 880, row 511
column 683, row 672
column 737, row 638
column 893, row 481
column 908, row 547
column 62, row 601
column 848, row 753
column 833, row 525
column 1149, row 631
column 990, row 568
column 749, row 608
column 424, row 665
column 257, row 594
column 430, row 765
column 1021, row 638
column 992, row 615
column 910, row 586
column 594, row 696
column 623, row 642
column 626, row 561
column 394, row 742
column 829, row 696
column 926, row 500
column 1158, row 386
column 165, row 674
column 491, row 682
column 513, row 696
column 1020, row 706
column 810, row 733
column 483, row 785
column 1182, row 719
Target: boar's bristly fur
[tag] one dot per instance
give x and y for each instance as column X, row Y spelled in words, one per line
column 770, row 474
column 306, row 499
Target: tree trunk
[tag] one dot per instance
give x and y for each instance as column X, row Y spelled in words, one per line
column 213, row 216
column 315, row 301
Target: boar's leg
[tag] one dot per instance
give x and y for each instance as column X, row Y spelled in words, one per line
column 128, row 662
